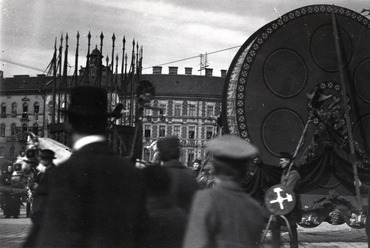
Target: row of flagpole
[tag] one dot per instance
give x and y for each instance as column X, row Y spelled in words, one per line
column 117, row 87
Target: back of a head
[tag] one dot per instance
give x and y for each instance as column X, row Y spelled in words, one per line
column 231, row 156
column 169, row 148
column 157, row 180
column 87, row 112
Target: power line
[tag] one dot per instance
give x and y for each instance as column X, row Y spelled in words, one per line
column 193, row 57
column 22, row 65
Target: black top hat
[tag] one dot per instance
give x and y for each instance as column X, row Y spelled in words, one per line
column 286, row 155
column 46, row 153
column 88, row 101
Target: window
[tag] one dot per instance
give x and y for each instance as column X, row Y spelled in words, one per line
column 209, row 111
column 209, row 132
column 162, row 131
column 14, row 108
column 2, row 129
column 177, row 110
column 25, row 111
column 35, row 128
column 176, row 131
column 191, row 132
column 36, row 108
column 192, row 110
column 190, row 156
column 13, row 129
column 162, row 110
column 3, row 109
column 147, row 131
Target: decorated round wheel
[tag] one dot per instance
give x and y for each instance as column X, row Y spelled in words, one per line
column 271, row 81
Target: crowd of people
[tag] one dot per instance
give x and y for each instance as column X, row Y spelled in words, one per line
column 97, row 199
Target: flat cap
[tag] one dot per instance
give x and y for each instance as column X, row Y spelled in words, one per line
column 231, row 147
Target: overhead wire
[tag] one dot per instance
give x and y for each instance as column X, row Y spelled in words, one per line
column 192, row 57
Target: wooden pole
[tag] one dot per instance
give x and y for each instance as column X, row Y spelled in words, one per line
column 76, row 58
column 345, row 106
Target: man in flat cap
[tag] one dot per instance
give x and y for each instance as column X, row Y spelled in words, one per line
column 290, row 178
column 183, row 181
column 95, row 198
column 225, row 215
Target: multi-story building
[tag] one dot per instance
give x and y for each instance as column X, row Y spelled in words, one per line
column 185, row 105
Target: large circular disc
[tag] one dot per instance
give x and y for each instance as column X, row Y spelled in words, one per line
column 268, row 83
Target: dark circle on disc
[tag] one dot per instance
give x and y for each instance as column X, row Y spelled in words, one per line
column 285, row 73
column 323, row 48
column 281, row 130
column 361, row 79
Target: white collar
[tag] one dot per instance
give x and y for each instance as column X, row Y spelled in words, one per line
column 87, row 140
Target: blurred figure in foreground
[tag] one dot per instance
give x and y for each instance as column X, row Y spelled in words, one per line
column 95, row 199
column 166, row 221
column 12, row 191
column 226, row 216
column 183, row 181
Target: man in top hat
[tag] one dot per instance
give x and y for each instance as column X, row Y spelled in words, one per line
column 39, row 189
column 225, row 215
column 95, row 198
column 183, row 181
column 290, row 178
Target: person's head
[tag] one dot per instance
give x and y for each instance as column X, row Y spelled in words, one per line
column 231, row 156
column 157, row 180
column 196, row 164
column 285, row 159
column 169, row 148
column 46, row 156
column 10, row 168
column 87, row 113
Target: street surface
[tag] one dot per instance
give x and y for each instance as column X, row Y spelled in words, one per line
column 14, row 231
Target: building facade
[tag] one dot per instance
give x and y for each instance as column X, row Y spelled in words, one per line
column 185, row 105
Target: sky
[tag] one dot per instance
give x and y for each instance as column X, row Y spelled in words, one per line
column 171, row 32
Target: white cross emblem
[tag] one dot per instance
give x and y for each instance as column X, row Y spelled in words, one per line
column 281, row 199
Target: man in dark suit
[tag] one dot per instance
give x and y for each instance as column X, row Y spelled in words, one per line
column 95, row 198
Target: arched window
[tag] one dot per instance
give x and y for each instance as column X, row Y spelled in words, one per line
column 3, row 109
column 14, row 108
column 36, row 107
column 25, row 111
column 35, row 128
column 13, row 129
column 2, row 129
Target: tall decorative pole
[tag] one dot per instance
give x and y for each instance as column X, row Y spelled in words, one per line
column 115, row 81
column 76, row 58
column 122, row 86
column 132, row 79
column 65, row 72
column 88, row 59
column 107, row 66
column 111, row 81
column 100, row 64
column 60, row 75
column 54, row 81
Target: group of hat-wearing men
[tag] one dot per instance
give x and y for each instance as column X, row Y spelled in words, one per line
column 96, row 199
